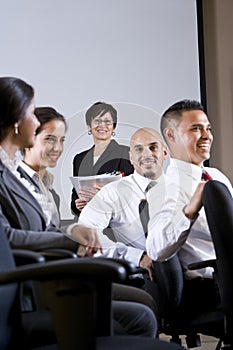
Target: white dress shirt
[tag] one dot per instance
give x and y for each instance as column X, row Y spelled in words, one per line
column 116, row 205
column 169, row 230
column 44, row 198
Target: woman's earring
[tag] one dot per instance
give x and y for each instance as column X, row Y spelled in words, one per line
column 89, row 132
column 113, row 133
column 16, row 129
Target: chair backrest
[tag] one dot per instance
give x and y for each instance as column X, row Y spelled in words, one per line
column 169, row 277
column 173, row 320
column 218, row 204
column 9, row 304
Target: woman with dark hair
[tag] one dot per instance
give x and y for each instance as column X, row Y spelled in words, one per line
column 105, row 156
column 47, row 149
column 21, row 214
column 16, row 107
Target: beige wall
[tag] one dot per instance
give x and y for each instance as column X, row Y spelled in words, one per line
column 218, row 41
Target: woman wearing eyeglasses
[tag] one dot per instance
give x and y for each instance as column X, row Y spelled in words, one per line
column 105, row 156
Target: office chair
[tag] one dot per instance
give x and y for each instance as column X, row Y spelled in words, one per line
column 218, row 205
column 78, row 293
column 170, row 280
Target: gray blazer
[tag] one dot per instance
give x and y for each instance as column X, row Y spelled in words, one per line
column 23, row 219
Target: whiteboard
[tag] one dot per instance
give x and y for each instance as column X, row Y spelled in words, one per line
column 139, row 55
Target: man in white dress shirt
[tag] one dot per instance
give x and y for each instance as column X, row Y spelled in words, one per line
column 116, row 205
column 177, row 218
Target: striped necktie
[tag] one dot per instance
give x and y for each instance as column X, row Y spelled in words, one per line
column 206, row 176
column 144, row 210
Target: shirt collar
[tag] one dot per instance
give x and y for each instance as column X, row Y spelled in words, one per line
column 47, row 179
column 28, row 169
column 11, row 164
column 194, row 170
column 143, row 181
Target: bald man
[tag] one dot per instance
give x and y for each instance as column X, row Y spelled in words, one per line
column 116, row 205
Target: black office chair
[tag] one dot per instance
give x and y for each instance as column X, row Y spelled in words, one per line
column 78, row 293
column 32, row 290
column 173, row 322
column 218, row 205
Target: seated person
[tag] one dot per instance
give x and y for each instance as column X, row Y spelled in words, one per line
column 178, row 222
column 116, row 205
column 47, row 149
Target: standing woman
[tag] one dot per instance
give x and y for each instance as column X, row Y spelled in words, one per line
column 105, row 156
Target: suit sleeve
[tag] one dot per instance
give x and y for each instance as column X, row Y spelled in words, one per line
column 35, row 240
column 74, row 195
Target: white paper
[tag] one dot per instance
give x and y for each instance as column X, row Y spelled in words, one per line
column 82, row 182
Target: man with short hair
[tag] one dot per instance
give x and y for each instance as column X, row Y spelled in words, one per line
column 177, row 218
column 116, row 205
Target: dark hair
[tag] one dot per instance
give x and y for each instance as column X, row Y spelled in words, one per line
column 15, row 97
column 45, row 115
column 99, row 109
column 175, row 111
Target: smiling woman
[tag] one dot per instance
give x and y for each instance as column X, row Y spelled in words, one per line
column 47, row 149
column 49, row 143
column 21, row 215
column 105, row 156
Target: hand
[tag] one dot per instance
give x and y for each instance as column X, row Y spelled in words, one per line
column 146, row 263
column 193, row 207
column 80, row 203
column 88, row 240
column 88, row 193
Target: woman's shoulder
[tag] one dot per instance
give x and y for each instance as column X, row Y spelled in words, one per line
column 82, row 154
column 119, row 147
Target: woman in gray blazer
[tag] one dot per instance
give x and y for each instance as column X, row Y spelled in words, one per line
column 25, row 223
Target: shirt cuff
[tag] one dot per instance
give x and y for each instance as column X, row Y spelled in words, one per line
column 70, row 227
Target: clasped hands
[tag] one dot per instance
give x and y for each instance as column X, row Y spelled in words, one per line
column 88, row 240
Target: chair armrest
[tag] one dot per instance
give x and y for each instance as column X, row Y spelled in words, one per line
column 202, row 264
column 24, row 257
column 130, row 268
column 78, row 289
column 57, row 254
column 141, row 270
column 92, row 269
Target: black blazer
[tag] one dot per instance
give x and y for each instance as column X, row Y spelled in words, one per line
column 115, row 157
column 23, row 219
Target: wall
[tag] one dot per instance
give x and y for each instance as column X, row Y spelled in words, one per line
column 218, row 34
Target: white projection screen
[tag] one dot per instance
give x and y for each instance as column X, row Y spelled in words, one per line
column 139, row 55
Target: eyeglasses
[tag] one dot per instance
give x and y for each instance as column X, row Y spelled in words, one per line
column 99, row 121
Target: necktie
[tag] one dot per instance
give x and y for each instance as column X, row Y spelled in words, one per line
column 144, row 210
column 206, row 176
column 144, row 214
